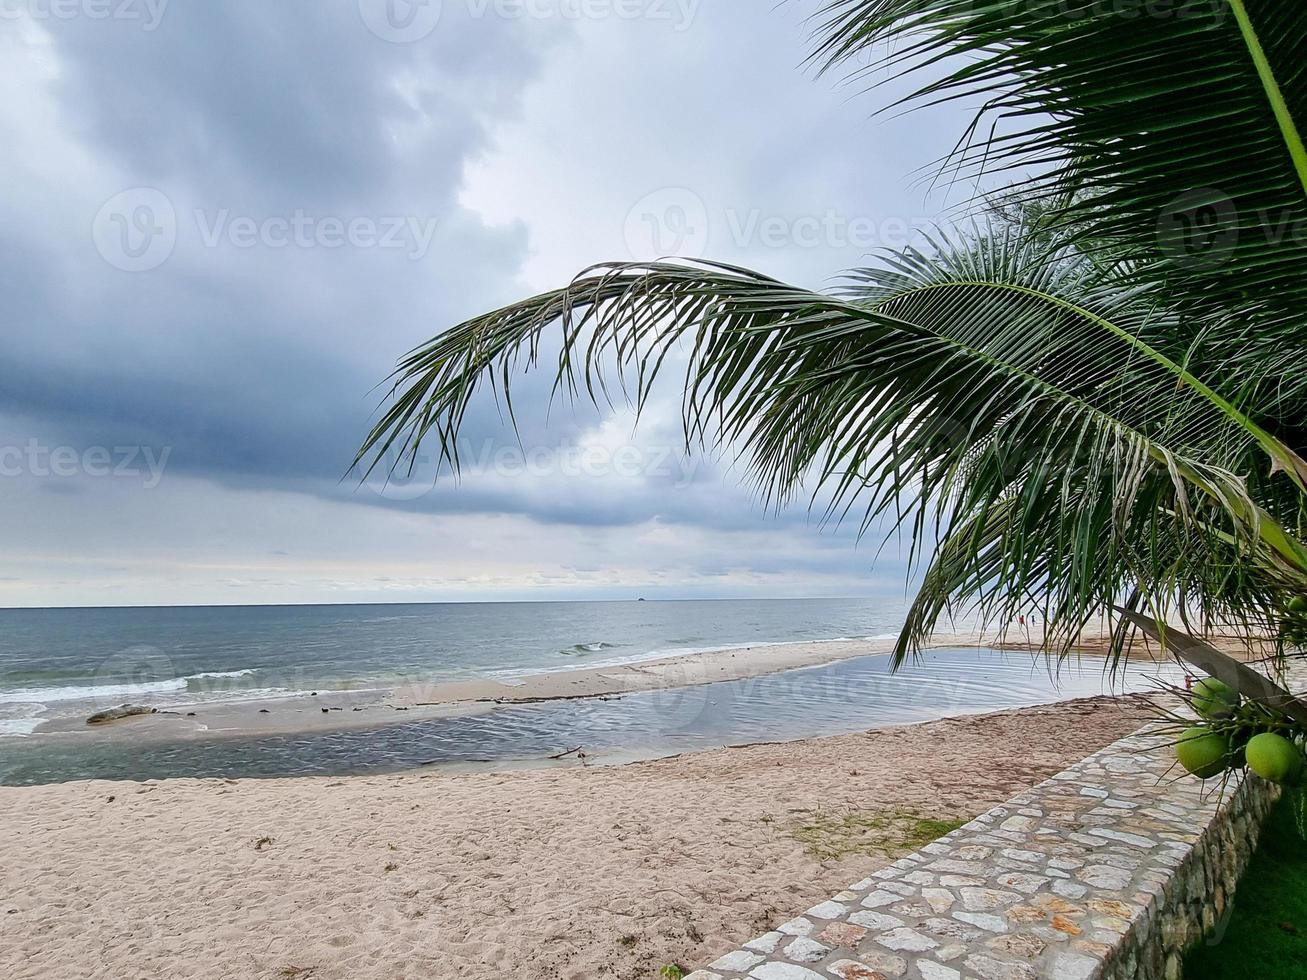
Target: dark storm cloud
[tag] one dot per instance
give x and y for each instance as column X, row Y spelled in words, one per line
column 294, row 99
column 258, row 362
column 255, row 364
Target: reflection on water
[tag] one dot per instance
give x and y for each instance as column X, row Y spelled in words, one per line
column 849, row 696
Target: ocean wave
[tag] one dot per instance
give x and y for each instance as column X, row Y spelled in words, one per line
column 238, row 697
column 667, row 653
column 217, row 674
column 21, row 720
column 580, row 649
column 18, row 727
column 89, row 692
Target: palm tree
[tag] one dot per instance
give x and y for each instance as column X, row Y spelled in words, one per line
column 1095, row 400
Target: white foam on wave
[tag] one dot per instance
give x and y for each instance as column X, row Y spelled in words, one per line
column 217, row 674
column 101, row 692
column 18, row 727
column 89, row 692
column 668, row 653
column 21, row 720
column 239, row 697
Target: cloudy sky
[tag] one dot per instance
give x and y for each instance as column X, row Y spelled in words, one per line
column 222, row 223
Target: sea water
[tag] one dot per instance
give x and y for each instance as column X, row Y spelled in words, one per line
column 64, row 663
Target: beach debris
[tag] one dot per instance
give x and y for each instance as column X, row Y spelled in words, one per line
column 117, row 714
column 672, row 972
column 264, row 711
column 325, row 710
column 576, row 752
column 263, row 842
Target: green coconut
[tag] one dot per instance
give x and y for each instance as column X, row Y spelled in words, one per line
column 1214, row 699
column 1202, row 751
column 1298, row 605
column 1274, row 757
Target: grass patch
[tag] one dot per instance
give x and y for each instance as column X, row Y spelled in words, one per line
column 830, row 835
column 1265, row 934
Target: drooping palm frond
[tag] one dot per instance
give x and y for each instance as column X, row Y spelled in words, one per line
column 989, row 376
column 1170, row 133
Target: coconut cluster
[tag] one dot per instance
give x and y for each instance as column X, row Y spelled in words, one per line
column 1293, row 625
column 1235, row 734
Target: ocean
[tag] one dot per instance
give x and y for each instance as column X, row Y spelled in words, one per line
column 68, row 663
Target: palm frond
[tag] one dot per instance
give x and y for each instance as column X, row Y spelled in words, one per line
column 989, row 376
column 1171, row 135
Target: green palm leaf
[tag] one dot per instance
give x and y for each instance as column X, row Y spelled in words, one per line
column 1170, row 133
column 1106, row 399
column 989, row 376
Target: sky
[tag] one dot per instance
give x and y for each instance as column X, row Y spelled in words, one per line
column 222, row 223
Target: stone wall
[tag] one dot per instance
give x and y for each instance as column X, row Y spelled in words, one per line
column 1111, row 869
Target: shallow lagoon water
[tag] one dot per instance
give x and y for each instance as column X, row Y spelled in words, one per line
column 70, row 663
column 848, row 696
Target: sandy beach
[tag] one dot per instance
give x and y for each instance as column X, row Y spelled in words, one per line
column 558, row 874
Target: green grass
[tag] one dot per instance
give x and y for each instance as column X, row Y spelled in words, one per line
column 830, row 836
column 1266, row 935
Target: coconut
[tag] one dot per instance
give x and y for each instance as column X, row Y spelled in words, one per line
column 1298, row 605
column 1274, row 757
column 1214, row 699
column 1202, row 751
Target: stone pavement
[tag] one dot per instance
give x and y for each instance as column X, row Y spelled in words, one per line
column 1110, row 869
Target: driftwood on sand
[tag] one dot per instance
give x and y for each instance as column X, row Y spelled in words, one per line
column 117, row 714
